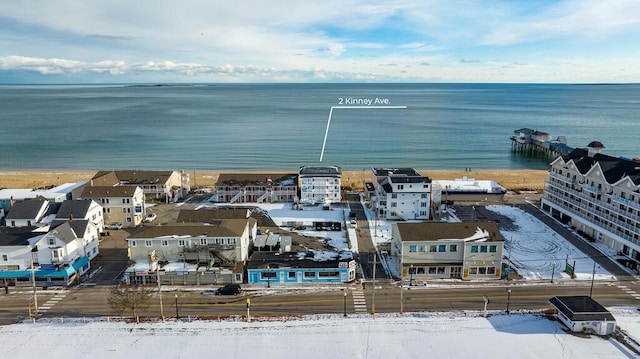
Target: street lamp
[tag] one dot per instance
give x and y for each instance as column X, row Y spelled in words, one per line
column 411, row 275
column 508, row 299
column 345, row 304
column 176, row 296
column 268, row 276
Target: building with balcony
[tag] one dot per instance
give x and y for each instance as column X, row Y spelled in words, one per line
column 401, row 194
column 320, row 184
column 599, row 196
column 166, row 186
column 256, row 188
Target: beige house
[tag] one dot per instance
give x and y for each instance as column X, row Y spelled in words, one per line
column 198, row 253
column 435, row 250
column 121, row 204
column 167, row 186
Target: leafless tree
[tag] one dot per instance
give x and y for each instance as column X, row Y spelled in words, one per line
column 129, row 299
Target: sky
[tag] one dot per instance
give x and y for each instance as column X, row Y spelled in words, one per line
column 149, row 41
column 412, row 335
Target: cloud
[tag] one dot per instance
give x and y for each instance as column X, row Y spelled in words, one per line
column 335, row 49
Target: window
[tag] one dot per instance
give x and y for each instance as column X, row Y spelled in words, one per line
column 310, row 275
column 483, row 249
column 421, row 248
column 419, row 270
column 128, row 219
column 432, row 270
column 52, row 241
column 291, row 275
column 268, row 274
column 493, row 248
column 442, row 248
column 400, row 186
column 482, row 270
column 393, row 204
column 181, row 242
column 203, row 241
column 148, row 243
column 164, row 243
column 394, row 195
column 4, row 258
column 133, row 243
column 423, row 204
column 491, row 270
column 412, row 248
column 474, row 249
column 453, row 248
column 433, row 248
column 334, row 274
column 440, row 270
column 473, row 270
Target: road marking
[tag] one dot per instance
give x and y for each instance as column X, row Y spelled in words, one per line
column 359, row 301
column 52, row 301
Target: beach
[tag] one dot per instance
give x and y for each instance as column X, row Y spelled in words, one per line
column 513, row 180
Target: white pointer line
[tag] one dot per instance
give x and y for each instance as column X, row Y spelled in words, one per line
column 326, row 132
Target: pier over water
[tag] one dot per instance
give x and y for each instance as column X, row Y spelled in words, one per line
column 539, row 144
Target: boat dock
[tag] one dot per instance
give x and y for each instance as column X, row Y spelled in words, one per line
column 539, row 144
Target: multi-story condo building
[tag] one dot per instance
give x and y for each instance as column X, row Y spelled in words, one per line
column 167, row 186
column 401, row 194
column 320, row 184
column 257, row 188
column 468, row 250
column 599, row 196
column 121, row 204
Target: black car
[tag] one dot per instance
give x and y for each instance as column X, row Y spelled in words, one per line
column 229, row 289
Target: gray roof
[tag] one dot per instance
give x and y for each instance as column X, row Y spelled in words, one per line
column 108, row 191
column 384, row 172
column 581, row 308
column 79, row 226
column 257, row 179
column 613, row 168
column 17, row 236
column 64, row 232
column 211, row 215
column 224, row 228
column 260, row 260
column 26, row 209
column 320, row 171
column 433, row 231
column 73, row 209
column 131, row 176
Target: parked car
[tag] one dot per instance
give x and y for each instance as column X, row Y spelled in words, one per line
column 150, row 217
column 114, row 225
column 229, row 289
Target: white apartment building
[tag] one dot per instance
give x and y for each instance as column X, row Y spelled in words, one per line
column 320, row 184
column 599, row 196
column 122, row 204
column 256, row 187
column 401, row 194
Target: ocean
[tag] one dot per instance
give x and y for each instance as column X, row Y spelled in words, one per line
column 226, row 127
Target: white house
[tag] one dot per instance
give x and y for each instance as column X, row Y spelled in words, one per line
column 27, row 213
column 401, row 194
column 429, row 250
column 320, row 184
column 583, row 314
column 80, row 209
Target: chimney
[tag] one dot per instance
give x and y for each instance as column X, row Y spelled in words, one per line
column 71, row 216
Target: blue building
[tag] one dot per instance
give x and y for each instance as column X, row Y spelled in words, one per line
column 301, row 267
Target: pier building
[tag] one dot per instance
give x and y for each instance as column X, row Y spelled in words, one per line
column 539, row 144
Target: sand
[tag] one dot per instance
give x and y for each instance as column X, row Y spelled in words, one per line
column 514, row 180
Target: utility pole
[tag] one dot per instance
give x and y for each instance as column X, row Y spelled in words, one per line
column 373, row 289
column 159, row 291
column 593, row 276
column 35, row 294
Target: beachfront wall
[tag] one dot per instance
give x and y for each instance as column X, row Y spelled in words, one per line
column 599, row 196
column 448, row 250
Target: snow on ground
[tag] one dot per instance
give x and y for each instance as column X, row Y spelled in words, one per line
column 415, row 335
column 536, row 249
